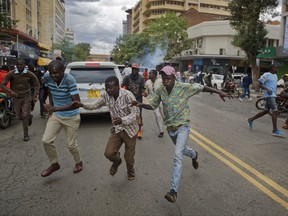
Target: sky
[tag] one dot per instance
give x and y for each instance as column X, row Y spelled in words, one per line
column 98, row 22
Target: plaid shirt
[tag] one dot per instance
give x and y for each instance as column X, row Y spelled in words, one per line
column 175, row 105
column 120, row 108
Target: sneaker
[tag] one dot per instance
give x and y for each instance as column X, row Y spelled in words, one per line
column 240, row 99
column 26, row 138
column 171, row 196
column 139, row 134
column 131, row 175
column 278, row 133
column 195, row 163
column 161, row 134
column 250, row 123
column 250, row 98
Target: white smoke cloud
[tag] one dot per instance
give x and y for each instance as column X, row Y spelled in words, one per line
column 151, row 59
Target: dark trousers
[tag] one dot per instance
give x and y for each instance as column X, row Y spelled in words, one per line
column 22, row 108
column 114, row 144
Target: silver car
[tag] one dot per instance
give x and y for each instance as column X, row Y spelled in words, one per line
column 90, row 78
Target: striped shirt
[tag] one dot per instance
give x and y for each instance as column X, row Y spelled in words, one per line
column 61, row 94
column 120, row 108
column 175, row 104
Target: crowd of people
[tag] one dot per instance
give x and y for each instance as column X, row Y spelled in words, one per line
column 163, row 93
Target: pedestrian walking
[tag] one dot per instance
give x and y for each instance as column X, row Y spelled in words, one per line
column 268, row 82
column 63, row 91
column 20, row 80
column 247, row 81
column 151, row 86
column 135, row 83
column 175, row 95
column 125, row 124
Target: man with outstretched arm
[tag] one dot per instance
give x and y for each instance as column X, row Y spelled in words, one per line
column 174, row 96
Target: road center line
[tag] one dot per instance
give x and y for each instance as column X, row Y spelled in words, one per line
column 242, row 173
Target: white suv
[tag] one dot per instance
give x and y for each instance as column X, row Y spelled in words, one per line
column 90, row 78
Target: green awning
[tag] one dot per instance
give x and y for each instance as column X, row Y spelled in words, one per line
column 267, row 53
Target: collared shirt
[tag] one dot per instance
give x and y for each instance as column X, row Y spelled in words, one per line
column 175, row 105
column 152, row 87
column 61, row 94
column 120, row 108
column 20, row 82
column 270, row 81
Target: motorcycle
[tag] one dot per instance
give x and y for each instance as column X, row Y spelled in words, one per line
column 6, row 111
column 231, row 88
column 282, row 104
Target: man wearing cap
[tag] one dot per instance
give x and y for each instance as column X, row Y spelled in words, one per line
column 174, row 96
column 135, row 83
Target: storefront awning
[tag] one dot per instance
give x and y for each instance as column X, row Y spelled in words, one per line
column 267, row 53
column 43, row 61
column 43, row 46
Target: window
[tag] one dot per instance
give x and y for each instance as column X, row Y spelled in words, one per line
column 92, row 75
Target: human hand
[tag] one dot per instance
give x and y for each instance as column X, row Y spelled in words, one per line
column 134, row 103
column 269, row 91
column 224, row 94
column 14, row 94
column 77, row 104
column 144, row 94
column 116, row 120
column 49, row 108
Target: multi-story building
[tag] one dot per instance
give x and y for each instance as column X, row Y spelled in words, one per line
column 51, row 21
column 39, row 24
column 70, row 36
column 146, row 11
column 212, row 47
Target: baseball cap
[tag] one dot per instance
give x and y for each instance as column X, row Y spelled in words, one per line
column 135, row 65
column 168, row 70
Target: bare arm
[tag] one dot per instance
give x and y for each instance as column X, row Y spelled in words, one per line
column 141, row 105
column 50, row 108
column 220, row 93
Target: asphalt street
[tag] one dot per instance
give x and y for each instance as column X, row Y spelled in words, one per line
column 242, row 172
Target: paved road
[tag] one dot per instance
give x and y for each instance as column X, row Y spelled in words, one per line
column 241, row 172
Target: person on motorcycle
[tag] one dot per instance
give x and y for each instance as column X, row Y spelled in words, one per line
column 283, row 85
column 3, row 72
column 227, row 79
column 21, row 79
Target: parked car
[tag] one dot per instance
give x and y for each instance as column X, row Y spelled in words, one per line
column 216, row 81
column 90, row 78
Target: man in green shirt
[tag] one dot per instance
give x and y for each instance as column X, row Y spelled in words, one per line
column 174, row 96
column 20, row 80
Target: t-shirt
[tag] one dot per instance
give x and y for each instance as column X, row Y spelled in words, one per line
column 270, row 81
column 135, row 86
column 61, row 94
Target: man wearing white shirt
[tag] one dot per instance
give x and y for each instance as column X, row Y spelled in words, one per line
column 151, row 85
column 127, row 70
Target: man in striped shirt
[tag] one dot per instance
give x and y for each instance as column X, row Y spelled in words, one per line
column 63, row 91
column 125, row 124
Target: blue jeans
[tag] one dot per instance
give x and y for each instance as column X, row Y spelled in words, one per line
column 246, row 91
column 179, row 138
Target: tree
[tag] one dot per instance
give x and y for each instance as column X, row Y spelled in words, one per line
column 5, row 21
column 169, row 31
column 248, row 19
column 71, row 52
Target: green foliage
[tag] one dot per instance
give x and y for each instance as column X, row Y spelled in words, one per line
column 71, row 52
column 248, row 19
column 5, row 21
column 167, row 32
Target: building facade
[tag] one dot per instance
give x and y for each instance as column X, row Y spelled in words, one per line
column 146, row 11
column 70, row 36
column 212, row 47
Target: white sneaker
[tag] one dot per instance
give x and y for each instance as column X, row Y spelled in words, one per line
column 250, row 99
column 240, row 99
